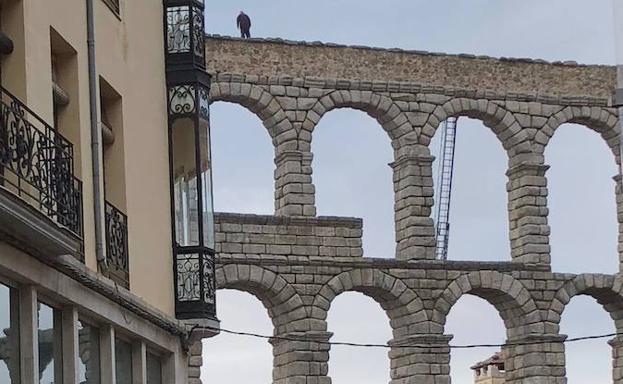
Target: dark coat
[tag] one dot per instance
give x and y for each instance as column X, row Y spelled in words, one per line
column 244, row 22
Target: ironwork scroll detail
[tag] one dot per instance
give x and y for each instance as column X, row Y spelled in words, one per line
column 117, row 253
column 204, row 103
column 195, row 272
column 198, row 33
column 182, row 100
column 209, row 281
column 36, row 163
column 178, row 30
column 188, row 278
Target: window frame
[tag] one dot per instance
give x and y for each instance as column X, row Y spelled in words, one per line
column 124, row 338
column 84, row 320
column 159, row 357
column 4, row 280
column 14, row 293
column 57, row 315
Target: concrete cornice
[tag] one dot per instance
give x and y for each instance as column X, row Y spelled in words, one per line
column 100, row 284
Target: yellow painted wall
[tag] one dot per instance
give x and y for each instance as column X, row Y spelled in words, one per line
column 130, row 57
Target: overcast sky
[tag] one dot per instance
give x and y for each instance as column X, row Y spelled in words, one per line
column 352, row 152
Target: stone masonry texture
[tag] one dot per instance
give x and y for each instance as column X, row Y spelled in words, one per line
column 297, row 263
column 278, row 58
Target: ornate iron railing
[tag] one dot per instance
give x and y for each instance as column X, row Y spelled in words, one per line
column 117, row 254
column 195, row 283
column 113, row 5
column 37, row 164
column 74, row 220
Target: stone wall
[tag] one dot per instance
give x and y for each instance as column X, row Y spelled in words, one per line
column 195, row 362
column 298, row 290
column 523, row 103
column 257, row 236
column 279, row 58
column 296, row 263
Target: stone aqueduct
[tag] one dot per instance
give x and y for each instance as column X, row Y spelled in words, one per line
column 297, row 263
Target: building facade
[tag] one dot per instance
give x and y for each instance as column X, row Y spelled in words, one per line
column 490, row 371
column 106, row 261
column 107, row 269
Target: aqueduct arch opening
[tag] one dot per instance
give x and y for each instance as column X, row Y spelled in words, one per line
column 479, row 216
column 296, row 262
column 572, row 178
column 241, row 183
column 351, row 153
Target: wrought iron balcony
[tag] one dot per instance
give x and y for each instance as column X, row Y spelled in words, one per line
column 37, row 168
column 195, row 283
column 117, row 254
column 188, row 92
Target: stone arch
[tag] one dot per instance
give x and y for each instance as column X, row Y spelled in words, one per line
column 606, row 289
column 284, row 305
column 288, row 159
column 401, row 304
column 604, row 121
column 380, row 107
column 261, row 103
column 501, row 122
column 508, row 295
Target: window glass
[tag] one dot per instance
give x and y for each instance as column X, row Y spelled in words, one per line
column 123, row 362
column 206, row 180
column 185, row 183
column 50, row 345
column 154, row 369
column 192, row 168
column 88, row 354
column 9, row 342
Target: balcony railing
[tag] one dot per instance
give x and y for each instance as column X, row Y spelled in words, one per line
column 195, row 283
column 37, row 164
column 117, row 246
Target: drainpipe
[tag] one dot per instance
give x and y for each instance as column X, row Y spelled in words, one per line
column 95, row 140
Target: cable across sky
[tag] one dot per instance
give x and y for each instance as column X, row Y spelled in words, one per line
column 418, row 345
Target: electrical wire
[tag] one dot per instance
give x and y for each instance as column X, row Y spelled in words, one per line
column 419, row 345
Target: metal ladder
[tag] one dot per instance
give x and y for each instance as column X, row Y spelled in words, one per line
column 444, row 186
